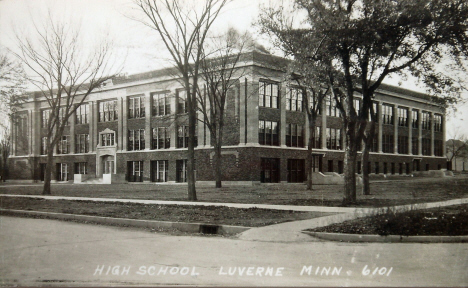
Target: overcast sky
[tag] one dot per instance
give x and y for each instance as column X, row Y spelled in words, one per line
column 142, row 49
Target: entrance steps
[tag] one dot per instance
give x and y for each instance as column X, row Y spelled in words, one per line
column 89, row 181
column 106, row 179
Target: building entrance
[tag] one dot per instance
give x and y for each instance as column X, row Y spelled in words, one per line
column 108, row 164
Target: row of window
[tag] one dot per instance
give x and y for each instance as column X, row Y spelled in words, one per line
column 136, row 109
column 268, row 134
column 270, row 169
column 161, row 139
column 158, row 170
column 268, row 97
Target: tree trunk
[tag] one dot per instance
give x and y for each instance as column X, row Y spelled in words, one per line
column 350, row 175
column 218, row 156
column 217, row 165
column 192, row 192
column 350, row 164
column 365, row 159
column 48, row 171
column 310, row 168
column 365, row 171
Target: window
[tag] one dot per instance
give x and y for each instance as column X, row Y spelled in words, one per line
column 161, row 104
column 387, row 114
column 425, row 120
column 415, row 119
column 268, row 95
column 81, row 143
column 44, row 146
column 296, row 170
column 437, row 123
column 81, row 168
column 82, row 114
column 108, row 111
column 332, row 110
column 136, row 140
column 268, row 133
column 403, row 117
column 374, row 147
column 403, row 144
column 161, row 138
column 22, row 135
column 183, row 137
column 62, row 172
column 107, row 139
column 62, row 116
column 414, row 146
column 294, row 135
column 375, row 107
column 357, row 105
column 270, row 170
column 438, row 151
column 333, row 139
column 181, row 169
column 294, row 99
column 426, row 146
column 387, row 143
column 182, row 106
column 159, row 171
column 317, row 143
column 135, row 171
column 136, row 107
column 377, row 168
column 45, row 117
column 63, row 146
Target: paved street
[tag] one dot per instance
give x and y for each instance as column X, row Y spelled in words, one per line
column 49, row 252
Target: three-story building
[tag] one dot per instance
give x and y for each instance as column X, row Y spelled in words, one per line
column 137, row 126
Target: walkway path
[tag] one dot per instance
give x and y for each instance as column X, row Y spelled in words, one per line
column 233, row 205
column 284, row 232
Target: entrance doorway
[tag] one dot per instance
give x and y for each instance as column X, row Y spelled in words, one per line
column 108, row 164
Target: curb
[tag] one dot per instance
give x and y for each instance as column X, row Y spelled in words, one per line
column 181, row 226
column 386, row 239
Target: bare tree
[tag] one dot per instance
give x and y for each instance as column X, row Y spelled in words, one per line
column 65, row 71
column 220, row 74
column 314, row 93
column 183, row 27
column 305, row 71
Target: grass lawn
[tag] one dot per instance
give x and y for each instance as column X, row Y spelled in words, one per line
column 442, row 221
column 384, row 193
column 252, row 217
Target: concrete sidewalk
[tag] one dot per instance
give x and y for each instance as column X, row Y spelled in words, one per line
column 292, row 231
column 233, row 205
column 283, row 232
